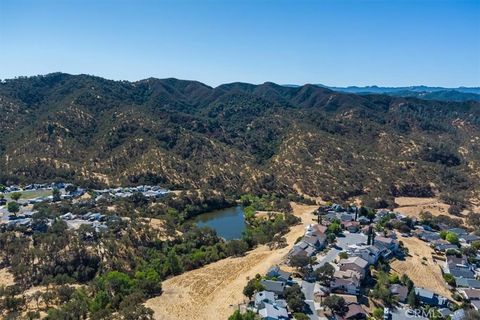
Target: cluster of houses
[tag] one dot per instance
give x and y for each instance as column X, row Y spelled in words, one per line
column 97, row 220
column 355, row 250
column 427, row 234
column 348, row 277
column 125, row 192
column 67, row 191
column 464, row 270
column 9, row 222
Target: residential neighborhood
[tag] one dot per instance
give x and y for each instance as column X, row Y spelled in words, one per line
column 340, row 269
column 28, row 196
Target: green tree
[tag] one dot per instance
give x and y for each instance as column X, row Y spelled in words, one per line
column 443, row 234
column 173, row 263
column 300, row 316
column 16, row 196
column 236, row 247
column 148, row 281
column 412, row 299
column 253, row 285
column 13, row 207
column 295, row 298
column 324, row 274
column 299, row 261
column 452, row 238
column 363, row 211
column 381, row 290
column 335, row 303
column 249, row 315
column 343, row 255
column 56, row 195
column 449, row 279
column 378, row 313
column 334, row 228
column 406, row 281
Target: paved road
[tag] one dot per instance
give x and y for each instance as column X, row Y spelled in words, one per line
column 307, row 289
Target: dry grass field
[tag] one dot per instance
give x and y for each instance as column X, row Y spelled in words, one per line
column 421, row 267
column 216, row 289
column 411, row 206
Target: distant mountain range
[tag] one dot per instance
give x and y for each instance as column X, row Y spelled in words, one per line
column 420, row 92
column 236, row 137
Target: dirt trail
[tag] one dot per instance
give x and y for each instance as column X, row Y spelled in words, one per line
column 214, row 291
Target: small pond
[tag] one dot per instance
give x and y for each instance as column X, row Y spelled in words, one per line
column 229, row 223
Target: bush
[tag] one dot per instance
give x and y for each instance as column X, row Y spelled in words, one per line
column 452, row 238
column 300, row 316
column 378, row 313
column 449, row 279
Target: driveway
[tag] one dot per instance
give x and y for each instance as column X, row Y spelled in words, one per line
column 307, row 289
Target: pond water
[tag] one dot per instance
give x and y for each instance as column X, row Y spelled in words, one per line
column 228, row 223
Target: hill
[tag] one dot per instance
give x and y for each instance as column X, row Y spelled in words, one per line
column 421, row 92
column 236, row 137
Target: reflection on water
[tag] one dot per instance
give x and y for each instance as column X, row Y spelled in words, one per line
column 228, row 223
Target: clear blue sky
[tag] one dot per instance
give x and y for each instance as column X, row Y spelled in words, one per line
column 338, row 43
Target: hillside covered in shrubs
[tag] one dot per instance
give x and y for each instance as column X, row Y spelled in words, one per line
column 236, row 138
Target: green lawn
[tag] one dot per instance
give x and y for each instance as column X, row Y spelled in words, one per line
column 30, row 194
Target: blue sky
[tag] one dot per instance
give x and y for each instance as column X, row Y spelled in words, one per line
column 337, row 43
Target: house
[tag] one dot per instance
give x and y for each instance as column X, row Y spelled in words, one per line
column 475, row 304
column 279, row 274
column 263, row 297
column 354, row 263
column 442, row 247
column 315, row 230
column 467, row 283
column 354, row 311
column 469, row 238
column 428, row 297
column 344, row 217
column 445, row 312
column 351, row 226
column 317, row 242
column 349, row 285
column 458, row 231
column 363, row 220
column 313, row 240
column 458, row 315
column 427, row 235
column 401, row 292
column 453, row 260
column 388, row 243
column 367, row 252
column 459, row 268
column 277, row 287
column 461, row 272
column 273, row 312
column 470, row 294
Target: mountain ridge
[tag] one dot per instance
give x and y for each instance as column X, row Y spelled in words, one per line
column 235, row 137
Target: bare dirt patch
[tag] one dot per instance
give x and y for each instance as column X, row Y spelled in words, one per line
column 6, row 277
column 421, row 267
column 214, row 291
